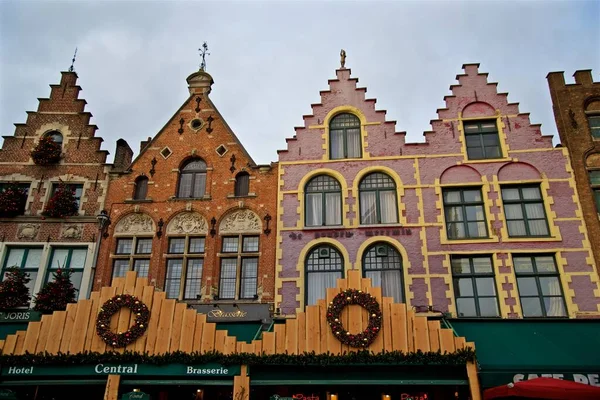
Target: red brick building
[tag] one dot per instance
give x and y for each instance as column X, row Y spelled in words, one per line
column 577, row 113
column 29, row 239
column 193, row 212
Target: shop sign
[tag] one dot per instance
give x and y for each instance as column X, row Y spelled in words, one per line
column 12, row 316
column 295, row 397
column 240, row 313
column 588, row 379
column 205, row 370
column 135, row 396
column 7, row 394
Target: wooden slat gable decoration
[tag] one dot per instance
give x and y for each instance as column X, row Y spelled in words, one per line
column 173, row 327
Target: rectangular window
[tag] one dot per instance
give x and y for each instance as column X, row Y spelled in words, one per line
column 474, row 286
column 184, row 271
column 76, row 188
column 465, row 215
column 538, row 282
column 65, row 257
column 20, row 196
column 239, row 268
column 595, row 182
column 132, row 254
column 594, row 123
column 482, row 140
column 524, row 211
column 26, row 258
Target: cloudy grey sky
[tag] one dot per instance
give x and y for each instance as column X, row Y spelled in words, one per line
column 270, row 59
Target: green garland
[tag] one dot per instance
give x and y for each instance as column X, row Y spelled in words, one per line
column 111, row 307
column 334, row 311
column 459, row 357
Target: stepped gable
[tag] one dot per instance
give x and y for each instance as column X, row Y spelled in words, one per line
column 63, row 111
column 343, row 95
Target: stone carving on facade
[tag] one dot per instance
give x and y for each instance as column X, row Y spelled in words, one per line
column 241, row 221
column 135, row 223
column 28, row 231
column 187, row 223
column 72, row 231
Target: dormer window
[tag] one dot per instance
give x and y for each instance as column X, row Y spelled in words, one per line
column 482, row 140
column 56, row 136
column 141, row 188
column 344, row 137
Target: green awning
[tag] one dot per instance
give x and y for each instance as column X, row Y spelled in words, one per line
column 506, row 348
column 243, row 331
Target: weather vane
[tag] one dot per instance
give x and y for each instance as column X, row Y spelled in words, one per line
column 73, row 61
column 203, row 53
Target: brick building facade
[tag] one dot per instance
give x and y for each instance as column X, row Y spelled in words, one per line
column 30, row 240
column 193, row 212
column 577, row 113
column 480, row 220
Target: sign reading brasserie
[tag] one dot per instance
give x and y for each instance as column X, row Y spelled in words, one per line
column 206, row 370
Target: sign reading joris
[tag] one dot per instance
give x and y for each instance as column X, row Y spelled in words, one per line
column 205, row 370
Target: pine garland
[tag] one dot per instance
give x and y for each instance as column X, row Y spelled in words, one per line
column 46, row 152
column 459, row 357
column 63, row 203
column 55, row 295
column 13, row 290
column 12, row 200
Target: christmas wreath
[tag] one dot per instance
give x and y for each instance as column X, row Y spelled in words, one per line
column 111, row 307
column 365, row 300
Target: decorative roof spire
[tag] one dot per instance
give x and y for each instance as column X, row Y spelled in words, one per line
column 343, row 58
column 203, row 53
column 71, row 68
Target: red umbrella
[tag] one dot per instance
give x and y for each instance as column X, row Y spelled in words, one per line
column 544, row 388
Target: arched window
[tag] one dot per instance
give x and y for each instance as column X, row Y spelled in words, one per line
column 323, row 198
column 56, row 136
column 242, row 184
column 141, row 188
column 383, row 264
column 192, row 180
column 344, row 137
column 378, row 203
column 324, row 265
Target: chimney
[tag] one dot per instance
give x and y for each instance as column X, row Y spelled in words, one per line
column 144, row 143
column 123, row 155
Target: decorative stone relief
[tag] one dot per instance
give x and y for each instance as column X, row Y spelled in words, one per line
column 28, row 231
column 134, row 224
column 241, row 221
column 72, row 231
column 187, row 223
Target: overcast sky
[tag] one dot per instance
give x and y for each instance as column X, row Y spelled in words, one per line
column 269, row 60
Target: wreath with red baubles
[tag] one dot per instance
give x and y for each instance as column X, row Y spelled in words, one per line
column 111, row 307
column 365, row 300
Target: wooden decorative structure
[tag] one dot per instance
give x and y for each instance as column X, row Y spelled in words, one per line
column 173, row 327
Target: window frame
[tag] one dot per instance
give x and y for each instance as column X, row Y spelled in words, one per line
column 50, row 269
column 400, row 269
column 141, row 187
column 595, row 187
column 194, row 173
column 473, row 276
column 323, row 194
column 593, row 129
column 480, row 133
column 523, row 203
column 187, row 257
column 238, row 190
column 54, row 187
column 240, row 256
column 313, row 250
column 464, row 206
column 23, row 185
column 345, row 136
column 132, row 256
column 23, row 264
column 536, row 275
column 377, row 191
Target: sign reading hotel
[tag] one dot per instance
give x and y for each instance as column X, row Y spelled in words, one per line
column 206, row 370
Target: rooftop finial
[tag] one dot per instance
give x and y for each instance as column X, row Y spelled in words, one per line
column 203, row 53
column 73, row 61
column 343, row 58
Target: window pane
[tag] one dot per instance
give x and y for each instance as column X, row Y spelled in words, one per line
column 141, row 189
column 451, row 197
column 471, row 196
column 333, row 209
column 482, row 265
column 317, row 284
column 176, row 245
column 228, row 278
column 15, row 258
column 390, row 282
column 545, row 264
column 230, row 244
column 353, row 142
column 34, row 258
column 144, row 246
column 314, row 209
column 485, row 287
column 388, row 207
column 538, row 228
column 460, row 265
column 535, row 210
column 242, row 183
column 516, row 228
column 550, row 286
column 531, row 307
column 124, row 246
column 197, row 245
column 193, row 279
column 466, row 307
column 490, row 140
column 513, row 211
column 594, row 177
column 173, row 278
column 531, row 193
column 250, row 244
column 473, row 142
column 555, row 307
column 337, row 144
column 76, row 280
column 78, row 257
column 510, row 194
column 120, row 268
column 454, row 214
column 456, row 230
column 141, row 267
column 471, row 128
column 477, row 229
column 368, row 207
column 185, row 185
column 475, row 153
column 523, row 264
column 464, row 287
column 474, row 213
column 249, row 278
column 488, row 307
column 527, row 286
column 59, row 259
column 199, row 186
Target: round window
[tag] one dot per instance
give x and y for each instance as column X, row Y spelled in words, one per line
column 196, row 123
